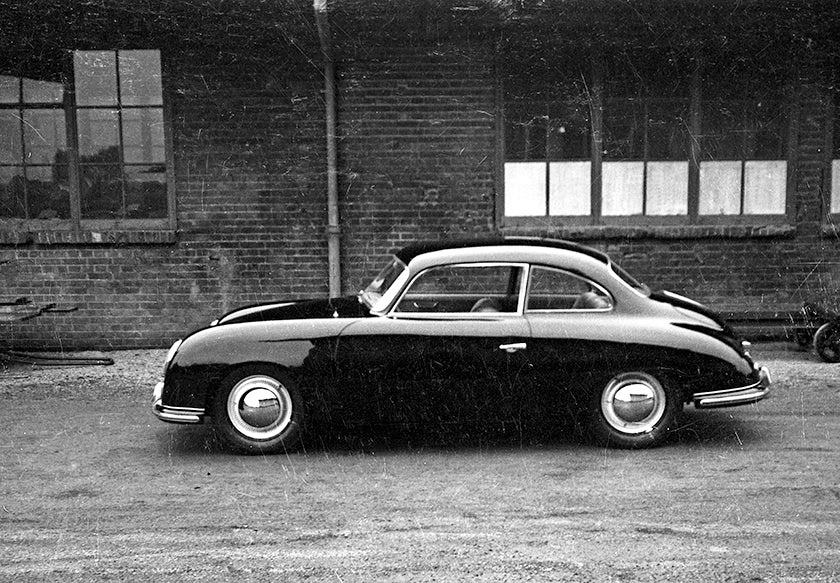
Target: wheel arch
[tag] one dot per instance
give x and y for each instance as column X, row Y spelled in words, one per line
column 258, row 408
column 206, row 358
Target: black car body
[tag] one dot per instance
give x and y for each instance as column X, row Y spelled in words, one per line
column 513, row 316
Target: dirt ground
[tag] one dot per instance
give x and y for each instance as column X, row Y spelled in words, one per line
column 94, row 488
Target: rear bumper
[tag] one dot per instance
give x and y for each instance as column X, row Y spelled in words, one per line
column 737, row 396
column 174, row 414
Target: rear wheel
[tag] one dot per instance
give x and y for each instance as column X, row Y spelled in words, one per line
column 633, row 410
column 827, row 341
column 258, row 409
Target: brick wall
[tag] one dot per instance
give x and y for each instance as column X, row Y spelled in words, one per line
column 417, row 150
column 417, row 160
column 247, row 125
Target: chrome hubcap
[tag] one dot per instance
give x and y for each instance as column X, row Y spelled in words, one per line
column 633, row 402
column 259, row 407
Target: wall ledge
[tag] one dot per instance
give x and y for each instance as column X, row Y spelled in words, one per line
column 88, row 237
column 573, row 232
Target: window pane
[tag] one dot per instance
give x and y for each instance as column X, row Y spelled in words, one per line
column 570, row 185
column 723, row 132
column 720, row 188
column 835, row 160
column 835, row 186
column 44, row 135
column 47, row 192
column 143, row 138
column 95, row 74
column 624, row 131
column 766, row 131
column 526, row 132
column 568, row 133
column 9, row 89
column 12, row 205
column 668, row 123
column 667, row 188
column 622, row 188
column 99, row 137
column 765, row 186
column 145, row 193
column 10, row 149
column 101, row 191
column 37, row 91
column 525, row 189
column 140, row 79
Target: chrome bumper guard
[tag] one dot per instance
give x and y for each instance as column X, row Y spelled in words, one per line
column 737, row 396
column 174, row 414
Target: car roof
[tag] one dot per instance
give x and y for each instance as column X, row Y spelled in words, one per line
column 406, row 254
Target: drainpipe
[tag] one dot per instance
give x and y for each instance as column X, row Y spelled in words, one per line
column 333, row 227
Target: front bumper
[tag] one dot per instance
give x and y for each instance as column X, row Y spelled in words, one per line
column 174, row 414
column 737, row 396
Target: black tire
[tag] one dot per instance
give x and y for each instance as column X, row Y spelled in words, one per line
column 827, row 341
column 258, row 409
column 633, row 410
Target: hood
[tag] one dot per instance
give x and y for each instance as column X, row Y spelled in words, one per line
column 348, row 307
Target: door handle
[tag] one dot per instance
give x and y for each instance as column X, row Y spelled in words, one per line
column 511, row 348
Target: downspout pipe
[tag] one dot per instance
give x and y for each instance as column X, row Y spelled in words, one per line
column 333, row 225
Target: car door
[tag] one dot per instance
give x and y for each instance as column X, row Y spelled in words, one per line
column 449, row 353
column 573, row 332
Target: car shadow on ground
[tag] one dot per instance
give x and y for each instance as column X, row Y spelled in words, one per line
column 718, row 428
column 721, row 427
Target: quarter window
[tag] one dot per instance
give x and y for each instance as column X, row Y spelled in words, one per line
column 554, row 289
column 85, row 140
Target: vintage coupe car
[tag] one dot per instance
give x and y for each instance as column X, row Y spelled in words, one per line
column 500, row 321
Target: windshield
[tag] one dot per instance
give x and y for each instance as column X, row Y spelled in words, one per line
column 376, row 294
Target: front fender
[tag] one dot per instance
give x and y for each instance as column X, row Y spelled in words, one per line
column 207, row 356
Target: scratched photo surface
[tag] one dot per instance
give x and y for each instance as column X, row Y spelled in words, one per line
column 168, row 165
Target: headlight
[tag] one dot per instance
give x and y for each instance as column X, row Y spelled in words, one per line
column 171, row 354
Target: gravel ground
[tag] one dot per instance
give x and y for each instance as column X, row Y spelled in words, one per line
column 93, row 488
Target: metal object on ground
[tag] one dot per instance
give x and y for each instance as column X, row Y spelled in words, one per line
column 25, row 309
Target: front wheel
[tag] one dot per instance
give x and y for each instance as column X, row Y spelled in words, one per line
column 827, row 341
column 633, row 410
column 258, row 409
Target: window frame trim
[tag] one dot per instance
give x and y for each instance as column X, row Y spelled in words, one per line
column 524, row 277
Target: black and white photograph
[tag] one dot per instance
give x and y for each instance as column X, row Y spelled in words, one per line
column 420, row 291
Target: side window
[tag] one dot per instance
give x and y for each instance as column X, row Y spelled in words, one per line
column 554, row 289
column 463, row 288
